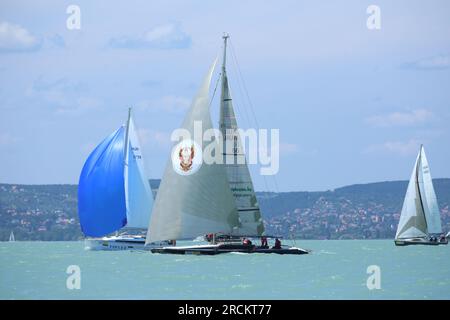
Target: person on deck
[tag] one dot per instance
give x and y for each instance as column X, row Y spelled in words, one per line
column 247, row 242
column 264, row 242
column 277, row 244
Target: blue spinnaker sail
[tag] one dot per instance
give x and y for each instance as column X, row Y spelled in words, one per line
column 101, row 189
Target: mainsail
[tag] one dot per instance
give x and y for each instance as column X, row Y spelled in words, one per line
column 187, row 206
column 113, row 191
column 240, row 181
column 431, row 206
column 420, row 213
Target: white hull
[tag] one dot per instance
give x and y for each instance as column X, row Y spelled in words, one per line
column 120, row 243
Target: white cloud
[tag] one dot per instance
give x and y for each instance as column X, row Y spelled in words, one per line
column 288, row 148
column 87, row 147
column 66, row 97
column 14, row 38
column 78, row 106
column 7, row 140
column 403, row 148
column 170, row 104
column 154, row 138
column 401, row 118
column 436, row 62
column 57, row 41
column 166, row 36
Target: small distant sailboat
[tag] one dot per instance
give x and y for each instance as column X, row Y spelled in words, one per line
column 114, row 192
column 11, row 237
column 209, row 198
column 420, row 220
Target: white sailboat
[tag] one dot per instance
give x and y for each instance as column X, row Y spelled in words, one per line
column 420, row 221
column 214, row 198
column 114, row 193
column 11, row 237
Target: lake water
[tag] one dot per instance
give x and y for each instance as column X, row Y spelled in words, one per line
column 334, row 270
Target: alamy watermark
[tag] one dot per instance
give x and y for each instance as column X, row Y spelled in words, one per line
column 74, row 279
column 374, row 20
column 374, row 280
column 73, row 22
column 211, row 147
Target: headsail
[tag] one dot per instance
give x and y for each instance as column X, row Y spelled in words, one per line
column 430, row 203
column 187, row 206
column 241, row 185
column 139, row 199
column 101, row 191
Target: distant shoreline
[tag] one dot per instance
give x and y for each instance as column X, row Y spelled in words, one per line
column 356, row 212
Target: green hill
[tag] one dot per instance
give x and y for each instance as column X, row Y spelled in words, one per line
column 49, row 212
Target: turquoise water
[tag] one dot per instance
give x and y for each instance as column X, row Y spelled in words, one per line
column 335, row 270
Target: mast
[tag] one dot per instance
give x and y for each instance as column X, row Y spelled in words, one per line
column 419, row 162
column 127, row 133
column 225, row 38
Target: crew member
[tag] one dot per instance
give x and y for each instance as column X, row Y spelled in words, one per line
column 264, row 242
column 277, row 244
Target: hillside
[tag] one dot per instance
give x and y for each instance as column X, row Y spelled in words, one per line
column 49, row 212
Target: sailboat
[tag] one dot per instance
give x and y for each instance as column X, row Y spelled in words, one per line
column 11, row 237
column 114, row 193
column 197, row 198
column 420, row 221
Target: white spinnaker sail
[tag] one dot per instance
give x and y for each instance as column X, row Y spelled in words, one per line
column 429, row 199
column 241, row 185
column 187, row 206
column 138, row 195
column 412, row 219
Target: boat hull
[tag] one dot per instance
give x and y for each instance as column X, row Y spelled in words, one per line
column 121, row 243
column 419, row 241
column 226, row 248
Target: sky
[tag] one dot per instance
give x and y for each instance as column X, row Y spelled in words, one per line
column 352, row 104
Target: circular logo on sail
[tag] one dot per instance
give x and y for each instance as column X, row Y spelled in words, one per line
column 187, row 157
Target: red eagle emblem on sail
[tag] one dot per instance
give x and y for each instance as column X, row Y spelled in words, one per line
column 186, row 156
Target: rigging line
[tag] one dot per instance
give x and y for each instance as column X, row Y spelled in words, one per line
column 241, row 92
column 251, row 108
column 244, row 102
column 240, row 83
column 239, row 112
column 244, row 86
column 240, row 79
column 215, row 89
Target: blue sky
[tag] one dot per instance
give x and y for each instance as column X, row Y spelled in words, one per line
column 352, row 104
